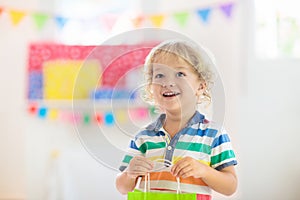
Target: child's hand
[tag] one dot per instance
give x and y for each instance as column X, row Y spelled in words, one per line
column 139, row 166
column 187, row 167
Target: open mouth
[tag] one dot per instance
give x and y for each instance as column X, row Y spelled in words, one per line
column 170, row 94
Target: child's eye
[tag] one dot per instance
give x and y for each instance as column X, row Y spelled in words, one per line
column 180, row 74
column 158, row 76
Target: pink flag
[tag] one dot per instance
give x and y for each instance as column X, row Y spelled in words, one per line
column 109, row 20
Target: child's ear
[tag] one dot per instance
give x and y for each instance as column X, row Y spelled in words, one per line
column 201, row 88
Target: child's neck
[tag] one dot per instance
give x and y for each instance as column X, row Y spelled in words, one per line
column 176, row 121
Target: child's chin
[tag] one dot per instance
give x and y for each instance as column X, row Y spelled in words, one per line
column 172, row 108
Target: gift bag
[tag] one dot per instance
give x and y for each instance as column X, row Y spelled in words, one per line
column 150, row 195
column 138, row 195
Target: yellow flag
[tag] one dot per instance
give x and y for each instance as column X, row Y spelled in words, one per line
column 16, row 16
column 157, row 20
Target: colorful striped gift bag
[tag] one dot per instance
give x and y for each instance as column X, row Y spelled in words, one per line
column 155, row 195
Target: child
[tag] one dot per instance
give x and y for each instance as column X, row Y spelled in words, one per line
column 178, row 77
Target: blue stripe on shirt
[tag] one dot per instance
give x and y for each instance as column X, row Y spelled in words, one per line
column 207, row 132
column 133, row 145
column 150, row 133
column 231, row 163
column 220, row 140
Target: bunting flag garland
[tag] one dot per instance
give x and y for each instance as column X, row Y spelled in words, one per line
column 1, row 10
column 40, row 19
column 181, row 18
column 38, row 80
column 137, row 21
column 204, row 14
column 227, row 9
column 157, row 20
column 109, row 20
column 60, row 21
column 16, row 16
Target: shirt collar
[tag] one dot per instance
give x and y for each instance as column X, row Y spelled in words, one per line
column 158, row 123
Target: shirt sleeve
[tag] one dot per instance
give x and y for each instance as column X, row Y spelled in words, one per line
column 222, row 153
column 131, row 152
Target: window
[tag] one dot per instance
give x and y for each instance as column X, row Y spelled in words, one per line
column 277, row 29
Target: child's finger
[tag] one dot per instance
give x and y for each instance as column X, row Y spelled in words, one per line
column 178, row 167
column 185, row 172
column 175, row 166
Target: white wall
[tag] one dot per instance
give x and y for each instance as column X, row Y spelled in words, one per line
column 269, row 128
column 261, row 116
column 14, row 42
column 270, row 132
column 14, row 119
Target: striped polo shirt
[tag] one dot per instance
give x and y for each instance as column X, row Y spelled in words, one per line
column 200, row 139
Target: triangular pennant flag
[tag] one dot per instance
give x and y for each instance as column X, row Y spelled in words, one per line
column 109, row 20
column 61, row 21
column 157, row 20
column 40, row 19
column 181, row 18
column 138, row 21
column 1, row 10
column 204, row 14
column 227, row 9
column 16, row 16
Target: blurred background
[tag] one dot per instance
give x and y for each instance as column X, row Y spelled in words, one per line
column 257, row 48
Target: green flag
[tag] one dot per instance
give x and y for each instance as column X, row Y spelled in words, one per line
column 181, row 18
column 40, row 19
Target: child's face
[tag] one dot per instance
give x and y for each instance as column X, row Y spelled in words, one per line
column 175, row 84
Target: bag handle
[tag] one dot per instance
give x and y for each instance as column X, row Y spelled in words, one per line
column 178, row 185
column 147, row 183
column 147, row 177
column 147, row 180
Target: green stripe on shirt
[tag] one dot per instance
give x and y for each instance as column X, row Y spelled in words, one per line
column 127, row 159
column 198, row 147
column 222, row 156
column 151, row 145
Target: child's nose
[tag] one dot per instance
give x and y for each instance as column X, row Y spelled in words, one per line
column 169, row 83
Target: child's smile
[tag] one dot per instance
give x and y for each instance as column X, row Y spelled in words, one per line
column 169, row 94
